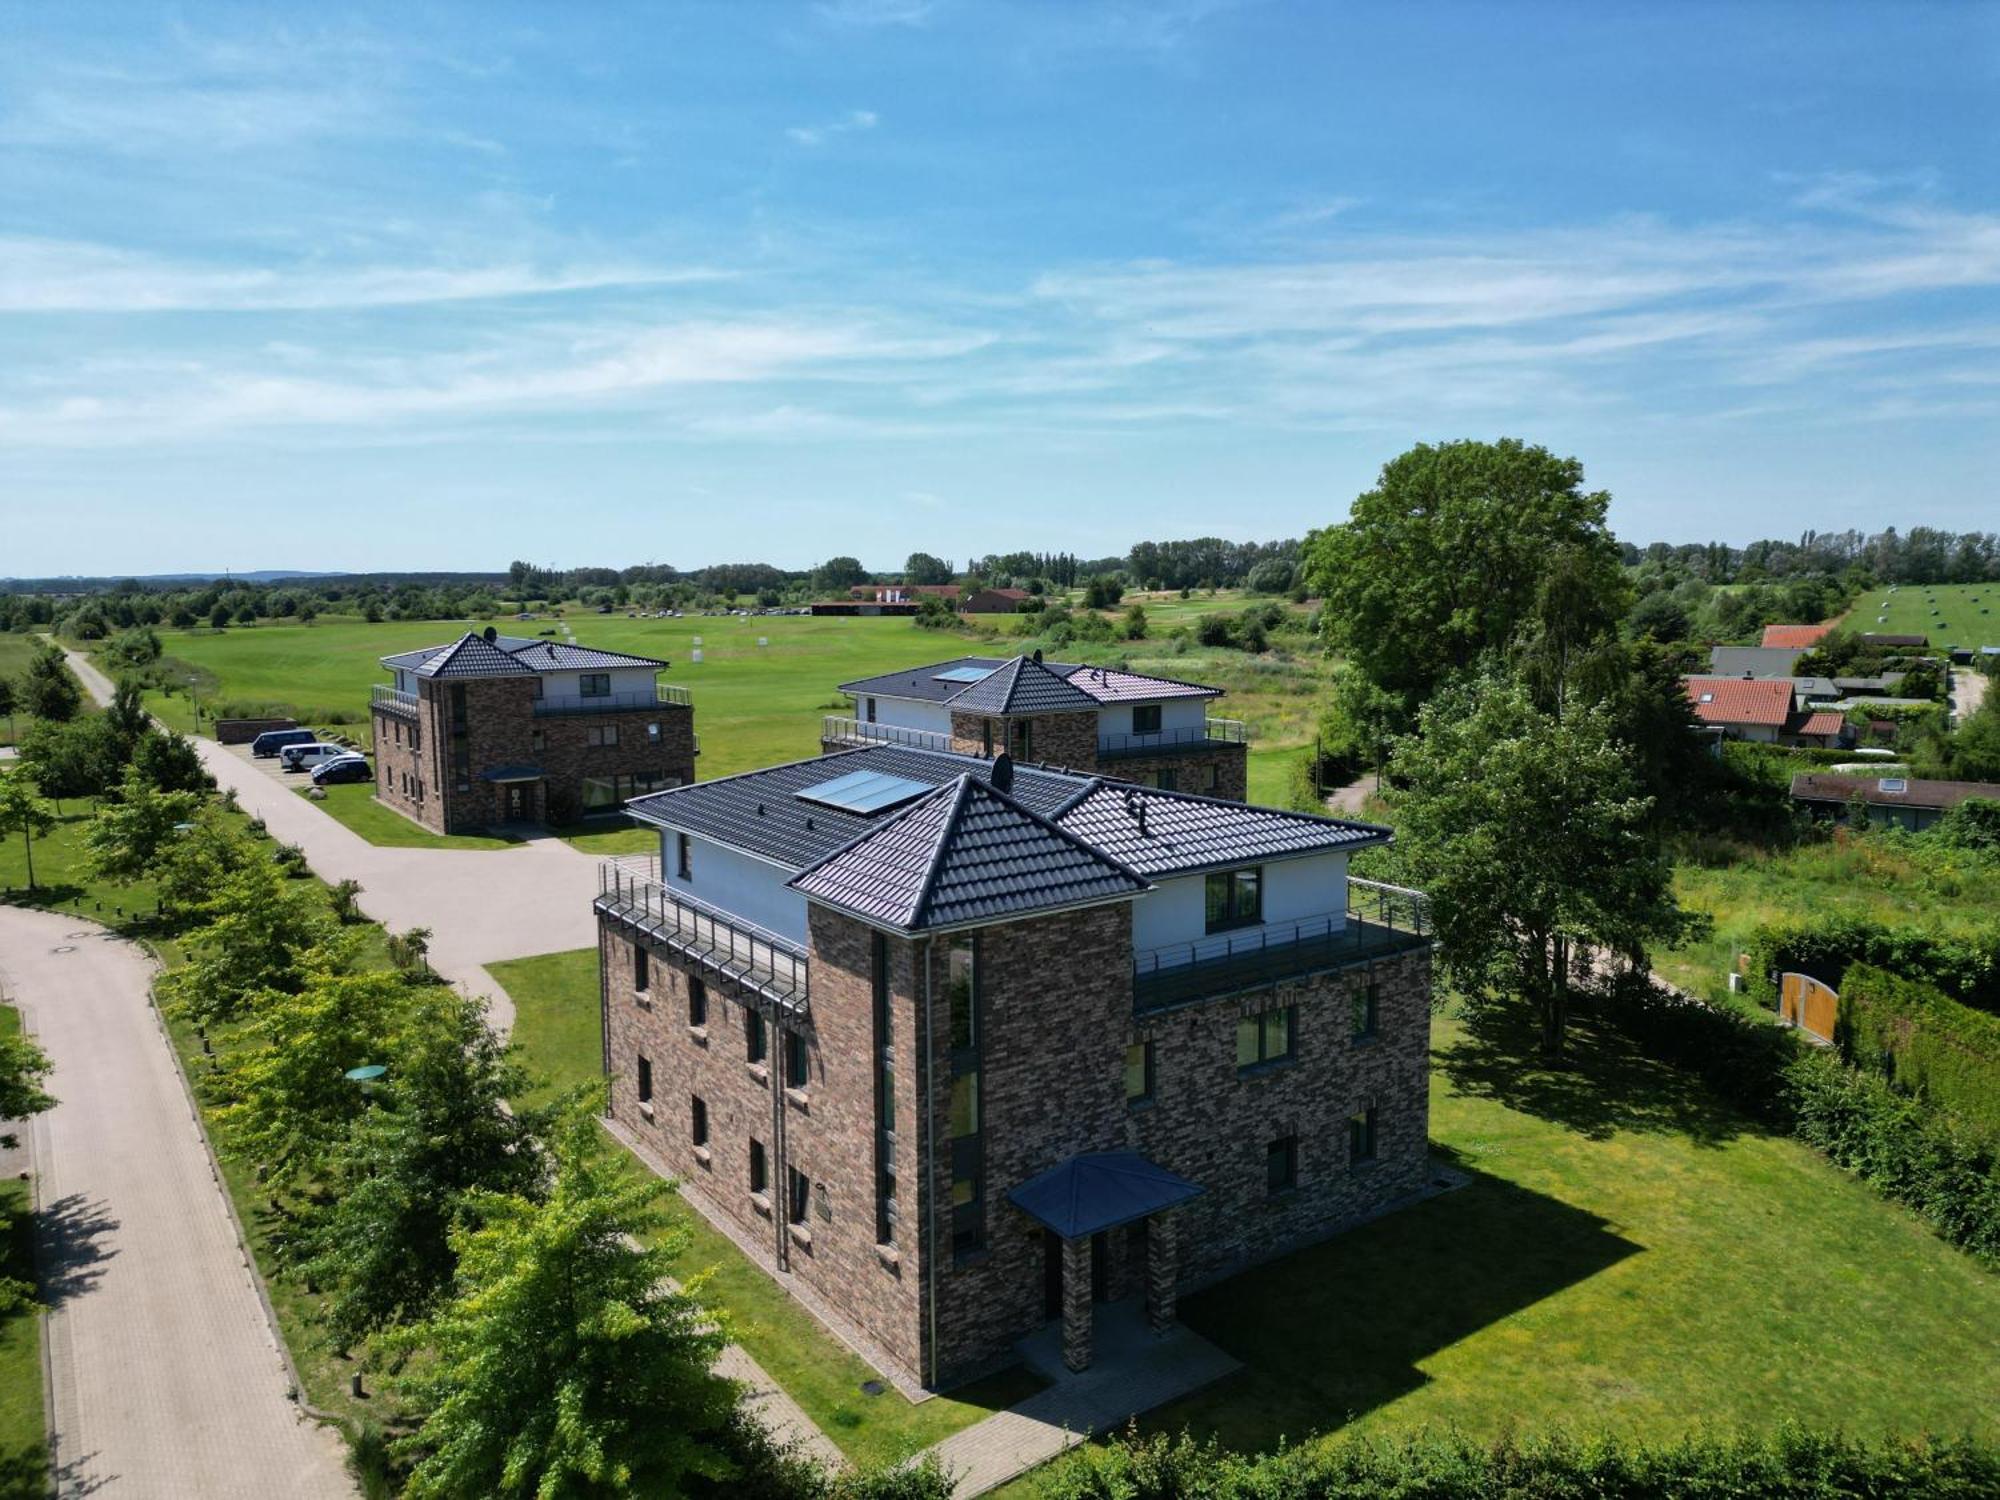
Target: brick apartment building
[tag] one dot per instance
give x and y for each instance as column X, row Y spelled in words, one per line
column 961, row 1047
column 1155, row 731
column 494, row 729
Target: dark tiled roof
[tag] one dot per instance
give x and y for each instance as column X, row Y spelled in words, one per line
column 472, row 655
column 965, row 853
column 1100, row 1190
column 1109, row 685
column 1022, row 686
column 921, row 682
column 1102, row 684
column 1184, row 832
column 560, row 656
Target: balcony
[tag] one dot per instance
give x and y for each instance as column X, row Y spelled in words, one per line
column 1214, row 734
column 834, row 730
column 629, row 891
column 662, row 696
column 384, row 699
column 1380, row 922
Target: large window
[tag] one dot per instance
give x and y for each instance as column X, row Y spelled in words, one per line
column 698, row 1119
column 697, row 1002
column 1281, row 1165
column 885, row 1093
column 753, row 1035
column 871, row 710
column 1235, row 898
column 641, row 969
column 1266, row 1038
column 1361, row 1136
column 684, row 856
column 798, row 1061
column 594, row 685
column 1139, row 1073
column 1364, row 1005
column 1024, row 739
column 758, row 1179
column 645, row 1081
column 798, row 1197
column 968, row 1207
column 1146, row 718
column 600, row 734
column 962, row 984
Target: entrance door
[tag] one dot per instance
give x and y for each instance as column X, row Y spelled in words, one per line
column 518, row 801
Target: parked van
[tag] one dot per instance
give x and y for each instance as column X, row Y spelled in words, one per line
column 305, row 757
column 271, row 741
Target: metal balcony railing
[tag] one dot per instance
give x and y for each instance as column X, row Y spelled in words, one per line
column 835, row 730
column 1380, row 920
column 390, row 700
column 630, row 890
column 663, row 695
column 1213, row 733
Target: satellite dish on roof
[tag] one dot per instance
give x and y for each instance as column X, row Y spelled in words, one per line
column 491, row 635
column 1002, row 777
column 1038, row 654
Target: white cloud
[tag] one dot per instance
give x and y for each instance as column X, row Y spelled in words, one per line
column 877, row 12
column 819, row 135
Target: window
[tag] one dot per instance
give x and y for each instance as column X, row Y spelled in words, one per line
column 684, row 855
column 1024, row 739
column 758, row 1181
column 962, row 987
column 1281, row 1165
column 1164, row 778
column 965, row 1106
column 753, row 1035
column 1364, row 1004
column 538, row 739
column 697, row 1002
column 968, row 1169
column 1139, row 1073
column 885, row 1095
column 1361, row 1136
column 798, row 1197
column 871, row 710
column 698, row 1119
column 594, row 685
column 1235, row 898
column 641, row 970
column 1215, row 777
column 986, row 737
column 603, row 735
column 1266, row 1038
column 645, row 1081
column 798, row 1061
column 1146, row 718
column 535, row 691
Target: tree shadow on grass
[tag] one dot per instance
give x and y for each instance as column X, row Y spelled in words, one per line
column 1339, row 1329
column 1602, row 1086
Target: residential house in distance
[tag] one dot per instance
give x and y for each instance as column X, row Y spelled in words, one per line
column 1795, row 637
column 1764, row 709
column 491, row 729
column 993, row 601
column 964, row 1047
column 1904, row 801
column 1153, row 730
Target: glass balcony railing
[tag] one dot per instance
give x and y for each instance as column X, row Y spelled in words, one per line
column 1213, row 734
column 835, row 730
column 663, row 695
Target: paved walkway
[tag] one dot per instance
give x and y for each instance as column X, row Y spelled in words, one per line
column 1968, row 691
column 166, row 1380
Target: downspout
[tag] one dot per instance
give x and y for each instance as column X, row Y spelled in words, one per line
column 604, row 1012
column 779, row 1188
column 930, row 1170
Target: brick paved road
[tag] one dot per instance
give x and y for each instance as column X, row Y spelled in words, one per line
column 166, row 1379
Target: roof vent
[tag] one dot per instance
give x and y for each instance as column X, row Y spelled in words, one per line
column 760, row 809
column 1001, row 777
column 809, row 824
column 489, row 635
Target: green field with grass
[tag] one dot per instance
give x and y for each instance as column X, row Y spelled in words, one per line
column 23, row 1454
column 557, row 1029
column 353, row 803
column 1951, row 614
column 15, row 650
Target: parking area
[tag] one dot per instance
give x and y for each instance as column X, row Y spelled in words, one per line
column 272, row 766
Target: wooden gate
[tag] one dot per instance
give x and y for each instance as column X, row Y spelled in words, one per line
column 1806, row 1003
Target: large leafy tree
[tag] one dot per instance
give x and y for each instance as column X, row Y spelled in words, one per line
column 839, row 574
column 1532, row 836
column 190, row 869
column 23, row 1067
column 125, row 838
column 922, row 567
column 1450, row 555
column 259, row 931
column 48, row 691
column 169, row 761
column 70, row 758
column 380, row 1244
column 568, row 1364
column 22, row 812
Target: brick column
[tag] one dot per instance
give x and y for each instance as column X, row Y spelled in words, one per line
column 1076, row 1303
column 1162, row 1269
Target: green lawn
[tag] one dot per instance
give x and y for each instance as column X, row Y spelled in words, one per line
column 23, row 1454
column 1951, row 614
column 354, row 804
column 15, row 649
column 622, row 838
column 556, row 1027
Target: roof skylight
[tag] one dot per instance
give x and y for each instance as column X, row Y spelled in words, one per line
column 964, row 674
column 865, row 792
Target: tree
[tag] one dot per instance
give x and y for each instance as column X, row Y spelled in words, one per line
column 1661, row 616
column 1271, row 576
column 441, row 1130
column 921, row 567
column 218, row 617
column 8, row 700
column 189, row 870
column 124, row 839
column 1532, row 837
column 567, row 1365
column 23, row 1067
column 48, row 690
column 74, row 758
column 125, row 718
column 1446, row 558
column 169, row 761
column 258, row 934
column 839, row 574
column 22, row 812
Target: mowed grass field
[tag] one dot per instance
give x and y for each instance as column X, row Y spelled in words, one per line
column 1951, row 614
column 15, row 650
column 755, row 705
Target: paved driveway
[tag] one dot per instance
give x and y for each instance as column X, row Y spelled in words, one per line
column 166, row 1380
column 481, row 905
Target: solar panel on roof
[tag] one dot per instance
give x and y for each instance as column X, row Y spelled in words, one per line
column 865, row 791
column 963, row 674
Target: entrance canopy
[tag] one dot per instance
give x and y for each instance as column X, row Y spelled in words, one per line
column 512, row 773
column 1100, row 1190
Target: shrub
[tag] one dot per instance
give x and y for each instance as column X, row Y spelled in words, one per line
column 1741, row 1058
column 1973, row 824
column 1925, row 1043
column 1215, row 630
column 1966, row 968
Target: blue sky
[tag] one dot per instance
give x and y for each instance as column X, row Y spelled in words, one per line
column 437, row 286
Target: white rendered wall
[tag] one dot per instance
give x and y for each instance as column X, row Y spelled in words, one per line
column 1312, row 886
column 737, row 884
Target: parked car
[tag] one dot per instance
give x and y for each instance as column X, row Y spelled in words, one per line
column 305, row 757
column 271, row 741
column 352, row 766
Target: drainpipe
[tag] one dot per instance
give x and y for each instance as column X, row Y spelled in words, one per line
column 604, row 1012
column 779, row 1188
column 930, row 1168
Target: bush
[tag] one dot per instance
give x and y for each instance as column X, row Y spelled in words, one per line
column 1973, row 824
column 1742, row 1059
column 1791, row 1462
column 1215, row 630
column 1965, row 968
column 1925, row 1043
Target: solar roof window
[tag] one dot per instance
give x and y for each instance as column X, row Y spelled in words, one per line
column 865, row 792
column 964, row 674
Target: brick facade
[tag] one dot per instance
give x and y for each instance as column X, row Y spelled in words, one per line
column 1056, row 1018
column 1069, row 740
column 420, row 774
column 1218, row 769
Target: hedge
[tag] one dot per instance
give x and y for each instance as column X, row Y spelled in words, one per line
column 1790, row 1463
column 1925, row 1043
column 1965, row 968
